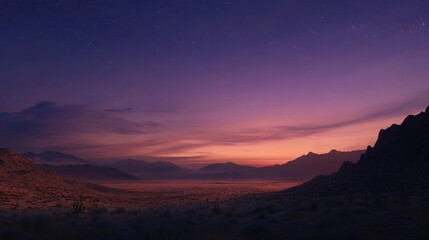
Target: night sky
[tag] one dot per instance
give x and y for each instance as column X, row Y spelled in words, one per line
column 255, row 82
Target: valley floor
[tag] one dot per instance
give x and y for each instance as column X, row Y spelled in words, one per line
column 136, row 194
column 181, row 192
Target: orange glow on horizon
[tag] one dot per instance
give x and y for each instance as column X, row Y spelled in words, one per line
column 356, row 137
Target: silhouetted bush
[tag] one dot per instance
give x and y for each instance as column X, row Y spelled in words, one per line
column 94, row 202
column 78, row 207
column 216, row 209
column 161, row 235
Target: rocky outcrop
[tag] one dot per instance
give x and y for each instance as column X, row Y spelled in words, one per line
column 398, row 162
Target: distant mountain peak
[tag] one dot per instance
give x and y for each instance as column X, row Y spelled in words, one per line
column 140, row 166
column 224, row 167
column 54, row 152
column 87, row 172
column 131, row 160
column 317, row 154
column 55, row 158
column 231, row 163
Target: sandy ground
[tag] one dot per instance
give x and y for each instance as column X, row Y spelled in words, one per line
column 190, row 192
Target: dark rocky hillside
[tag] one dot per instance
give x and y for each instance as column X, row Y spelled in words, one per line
column 398, row 162
column 23, row 185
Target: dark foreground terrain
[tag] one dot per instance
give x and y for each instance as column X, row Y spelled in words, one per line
column 273, row 216
column 385, row 195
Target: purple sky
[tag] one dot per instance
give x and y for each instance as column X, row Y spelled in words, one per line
column 256, row 82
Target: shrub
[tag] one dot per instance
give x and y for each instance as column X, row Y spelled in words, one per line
column 161, row 235
column 216, row 209
column 94, row 202
column 78, row 207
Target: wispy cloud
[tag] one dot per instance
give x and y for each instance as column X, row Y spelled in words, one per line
column 282, row 132
column 119, row 110
column 51, row 124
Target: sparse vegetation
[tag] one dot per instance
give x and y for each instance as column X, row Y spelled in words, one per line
column 78, row 207
column 273, row 216
column 94, row 202
column 216, row 210
column 161, row 235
